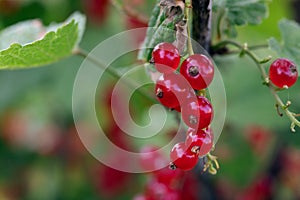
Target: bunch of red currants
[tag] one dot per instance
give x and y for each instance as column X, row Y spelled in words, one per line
column 183, row 91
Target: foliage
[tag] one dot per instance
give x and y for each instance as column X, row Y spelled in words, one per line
column 238, row 13
column 289, row 45
column 31, row 51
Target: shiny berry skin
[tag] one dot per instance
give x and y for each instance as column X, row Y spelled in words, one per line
column 166, row 57
column 198, row 70
column 168, row 176
column 171, row 90
column 197, row 113
column 181, row 158
column 283, row 73
column 200, row 142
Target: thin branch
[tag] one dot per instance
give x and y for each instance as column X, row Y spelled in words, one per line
column 187, row 17
column 114, row 73
column 245, row 50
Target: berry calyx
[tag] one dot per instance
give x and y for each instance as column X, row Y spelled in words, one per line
column 199, row 142
column 197, row 113
column 198, row 70
column 181, row 158
column 171, row 90
column 283, row 73
column 166, row 57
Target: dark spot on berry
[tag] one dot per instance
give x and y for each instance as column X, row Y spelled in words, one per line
column 193, row 119
column 193, row 71
column 293, row 68
column 195, row 149
column 159, row 93
column 172, row 166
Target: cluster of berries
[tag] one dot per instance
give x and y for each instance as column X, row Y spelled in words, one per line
column 164, row 183
column 179, row 91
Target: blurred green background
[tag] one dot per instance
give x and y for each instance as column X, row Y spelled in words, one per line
column 41, row 156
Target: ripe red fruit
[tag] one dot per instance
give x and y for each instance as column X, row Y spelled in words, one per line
column 200, row 142
column 168, row 176
column 197, row 113
column 172, row 90
column 181, row 158
column 198, row 70
column 283, row 73
column 166, row 57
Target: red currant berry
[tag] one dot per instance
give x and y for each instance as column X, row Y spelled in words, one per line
column 168, row 176
column 166, row 57
column 200, row 142
column 197, row 113
column 198, row 70
column 171, row 89
column 283, row 73
column 181, row 158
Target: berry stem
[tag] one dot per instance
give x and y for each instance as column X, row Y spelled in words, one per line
column 245, row 50
column 114, row 73
column 187, row 8
column 250, row 48
column 212, row 164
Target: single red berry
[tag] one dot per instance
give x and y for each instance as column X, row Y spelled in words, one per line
column 197, row 113
column 198, row 70
column 181, row 158
column 283, row 73
column 168, row 176
column 200, row 142
column 172, row 90
column 166, row 57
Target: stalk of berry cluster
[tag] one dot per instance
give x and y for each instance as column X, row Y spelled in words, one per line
column 201, row 33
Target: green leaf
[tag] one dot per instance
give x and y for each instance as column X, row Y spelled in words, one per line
column 289, row 46
column 238, row 13
column 153, row 22
column 38, row 45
